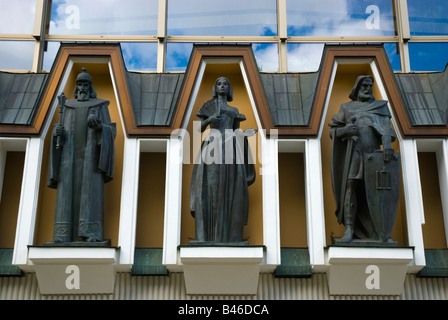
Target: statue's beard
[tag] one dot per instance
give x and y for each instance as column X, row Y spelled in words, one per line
column 365, row 96
column 83, row 95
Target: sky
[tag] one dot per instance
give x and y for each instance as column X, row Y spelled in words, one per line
column 229, row 18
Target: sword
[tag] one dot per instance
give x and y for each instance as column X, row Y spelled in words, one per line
column 348, row 156
column 62, row 98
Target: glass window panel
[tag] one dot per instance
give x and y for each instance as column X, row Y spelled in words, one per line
column 136, row 56
column 428, row 56
column 222, row 18
column 16, row 55
column 266, row 56
column 392, row 51
column 429, row 17
column 140, row 56
column 340, row 18
column 50, row 52
column 177, row 56
column 114, row 17
column 304, row 57
column 17, row 16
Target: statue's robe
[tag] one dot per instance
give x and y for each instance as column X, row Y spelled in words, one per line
column 79, row 170
column 219, row 197
column 373, row 121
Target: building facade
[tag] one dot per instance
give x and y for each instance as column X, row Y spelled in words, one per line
column 291, row 65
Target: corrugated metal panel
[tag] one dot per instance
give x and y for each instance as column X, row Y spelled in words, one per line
column 290, row 96
column 424, row 98
column 19, row 96
column 128, row 287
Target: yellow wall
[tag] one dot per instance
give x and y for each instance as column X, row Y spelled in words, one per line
column 292, row 200
column 433, row 229
column 345, row 79
column 151, row 200
column 47, row 196
column 152, row 176
column 9, row 205
column 254, row 229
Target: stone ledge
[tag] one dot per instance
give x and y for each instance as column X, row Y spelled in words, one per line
column 221, row 270
column 367, row 271
column 94, row 269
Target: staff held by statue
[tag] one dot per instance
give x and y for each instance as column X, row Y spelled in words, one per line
column 62, row 98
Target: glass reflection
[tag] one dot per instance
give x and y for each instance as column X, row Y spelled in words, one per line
column 266, row 56
column 178, row 55
column 16, row 55
column 428, row 56
column 133, row 17
column 136, row 56
column 17, row 16
column 340, row 18
column 140, row 56
column 222, row 18
column 306, row 57
column 429, row 17
column 50, row 52
column 393, row 53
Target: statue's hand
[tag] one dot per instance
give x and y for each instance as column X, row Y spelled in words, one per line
column 388, row 154
column 59, row 130
column 348, row 131
column 93, row 122
column 214, row 119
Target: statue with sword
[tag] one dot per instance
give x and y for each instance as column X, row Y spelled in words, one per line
column 365, row 168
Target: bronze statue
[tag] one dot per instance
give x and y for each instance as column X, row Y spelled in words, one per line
column 81, row 161
column 219, row 199
column 365, row 177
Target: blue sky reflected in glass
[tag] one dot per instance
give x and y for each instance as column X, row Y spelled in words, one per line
column 50, row 53
column 112, row 17
column 340, row 18
column 393, row 54
column 136, row 56
column 222, row 18
column 306, row 57
column 17, row 16
column 178, row 55
column 16, row 54
column 428, row 56
column 140, row 56
column 429, row 17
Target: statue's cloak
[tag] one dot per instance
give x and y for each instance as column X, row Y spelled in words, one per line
column 378, row 111
column 79, row 170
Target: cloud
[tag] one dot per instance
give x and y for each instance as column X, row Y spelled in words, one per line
column 16, row 54
column 222, row 18
column 140, row 56
column 104, row 17
column 339, row 18
column 266, row 56
column 304, row 57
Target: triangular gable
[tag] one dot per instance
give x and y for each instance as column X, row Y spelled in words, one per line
column 230, row 52
column 376, row 54
column 66, row 52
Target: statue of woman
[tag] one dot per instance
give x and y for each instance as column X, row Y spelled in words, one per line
column 219, row 184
